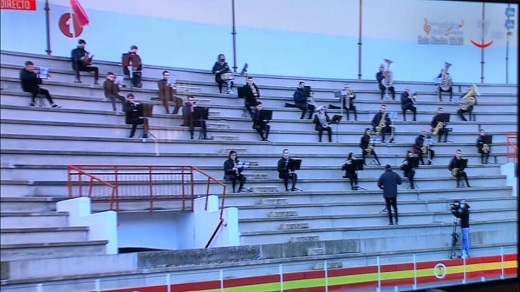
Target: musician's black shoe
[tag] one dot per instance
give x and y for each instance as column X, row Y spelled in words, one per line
column 391, row 140
column 96, row 83
column 391, row 223
column 77, row 81
column 32, row 104
column 345, row 176
column 55, row 106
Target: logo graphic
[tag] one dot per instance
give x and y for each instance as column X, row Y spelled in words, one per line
column 72, row 24
column 484, row 25
column 441, row 33
column 440, row 270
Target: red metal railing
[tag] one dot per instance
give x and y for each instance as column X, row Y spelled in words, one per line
column 161, row 187
column 512, row 148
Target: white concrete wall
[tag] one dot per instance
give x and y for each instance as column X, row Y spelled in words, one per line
column 206, row 222
column 102, row 226
column 508, row 170
column 151, row 230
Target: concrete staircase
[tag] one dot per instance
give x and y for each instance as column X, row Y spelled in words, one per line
column 38, row 143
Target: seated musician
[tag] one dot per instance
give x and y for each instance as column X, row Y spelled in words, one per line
column 381, row 119
column 190, row 120
column 446, row 84
column 322, row 123
column 383, row 77
column 438, row 125
column 469, row 108
column 220, row 69
column 133, row 66
column 457, row 168
column 418, row 146
column 407, row 166
column 251, row 94
column 167, row 93
column 81, row 62
column 261, row 126
column 134, row 116
column 350, row 171
column 111, row 89
column 233, row 172
column 483, row 147
column 408, row 103
column 347, row 99
column 366, row 148
column 286, row 171
column 300, row 100
column 31, row 83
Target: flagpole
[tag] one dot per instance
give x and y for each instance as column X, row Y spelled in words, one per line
column 47, row 27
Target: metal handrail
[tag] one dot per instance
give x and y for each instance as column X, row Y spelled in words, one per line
column 147, row 173
column 512, row 148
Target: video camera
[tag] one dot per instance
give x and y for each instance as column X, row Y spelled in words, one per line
column 455, row 206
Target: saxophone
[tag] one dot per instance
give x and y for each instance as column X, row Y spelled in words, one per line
column 469, row 98
column 369, row 150
column 350, row 97
column 455, row 172
column 382, row 124
column 438, row 128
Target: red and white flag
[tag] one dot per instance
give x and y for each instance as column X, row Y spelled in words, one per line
column 79, row 13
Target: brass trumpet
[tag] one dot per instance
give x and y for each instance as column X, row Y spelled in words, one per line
column 455, row 172
column 438, row 128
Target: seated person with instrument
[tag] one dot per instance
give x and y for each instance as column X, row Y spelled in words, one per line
column 457, row 166
column 190, row 119
column 408, row 103
column 468, row 101
column 407, row 166
column 484, row 146
column 381, row 124
column 322, row 123
column 223, row 74
column 81, row 61
column 286, row 168
column 385, row 80
column 438, row 125
column 445, row 83
column 167, row 93
column 31, row 83
column 349, row 166
column 260, row 124
column 134, row 115
column 133, row 66
column 347, row 97
column 233, row 171
column 251, row 94
column 300, row 100
column 366, row 148
column 418, row 146
column 111, row 88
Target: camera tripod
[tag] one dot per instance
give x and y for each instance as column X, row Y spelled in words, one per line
column 454, row 239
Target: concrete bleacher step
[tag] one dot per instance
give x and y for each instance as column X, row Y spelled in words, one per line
column 223, row 137
column 27, row 204
column 43, row 235
column 304, row 238
column 33, row 219
column 264, row 189
column 274, row 201
column 13, row 252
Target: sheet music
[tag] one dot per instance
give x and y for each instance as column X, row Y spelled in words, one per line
column 120, row 79
column 428, row 142
column 43, row 72
column 172, row 80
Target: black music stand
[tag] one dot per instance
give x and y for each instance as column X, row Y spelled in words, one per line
column 266, row 115
column 445, row 118
column 428, row 142
column 358, row 163
column 200, row 114
column 335, row 121
column 294, row 164
column 307, row 91
column 141, row 112
column 463, row 165
column 244, row 70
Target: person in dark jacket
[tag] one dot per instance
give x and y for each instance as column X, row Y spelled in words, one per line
column 81, row 62
column 261, row 126
column 251, row 95
column 407, row 166
column 133, row 66
column 350, row 171
column 483, row 148
column 463, row 214
column 376, row 121
column 111, row 89
column 322, row 123
column 408, row 103
column 31, row 83
column 300, row 100
column 233, row 172
column 286, row 171
column 388, row 182
column 366, row 148
column 134, row 116
column 167, row 93
column 190, row 120
column 220, row 68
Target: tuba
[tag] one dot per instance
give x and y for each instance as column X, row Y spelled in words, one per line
column 437, row 129
column 388, row 79
column 445, row 78
column 469, row 98
column 382, row 124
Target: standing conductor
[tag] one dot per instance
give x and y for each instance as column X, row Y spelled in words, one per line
column 388, row 182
